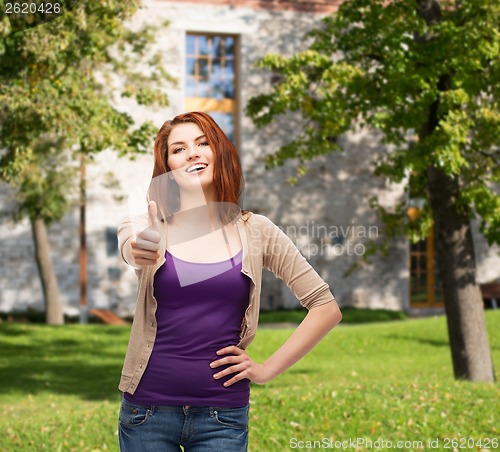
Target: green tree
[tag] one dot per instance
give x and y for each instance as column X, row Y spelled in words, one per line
column 58, row 102
column 428, row 68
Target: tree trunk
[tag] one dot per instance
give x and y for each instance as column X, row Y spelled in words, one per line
column 470, row 349
column 53, row 310
column 467, row 332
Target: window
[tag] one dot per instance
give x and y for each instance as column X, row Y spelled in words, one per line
column 211, row 78
column 425, row 284
column 111, row 242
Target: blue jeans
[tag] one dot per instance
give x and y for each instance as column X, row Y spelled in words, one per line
column 197, row 429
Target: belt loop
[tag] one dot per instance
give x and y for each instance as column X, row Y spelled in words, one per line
column 152, row 409
column 211, row 411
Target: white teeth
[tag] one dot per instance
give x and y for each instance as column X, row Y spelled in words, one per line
column 196, row 167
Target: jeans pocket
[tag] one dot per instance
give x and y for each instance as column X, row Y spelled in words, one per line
column 133, row 415
column 236, row 418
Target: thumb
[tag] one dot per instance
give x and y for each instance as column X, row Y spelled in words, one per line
column 153, row 215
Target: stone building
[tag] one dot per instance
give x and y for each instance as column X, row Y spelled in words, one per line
column 211, row 47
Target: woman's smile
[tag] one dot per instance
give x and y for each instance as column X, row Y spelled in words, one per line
column 197, row 168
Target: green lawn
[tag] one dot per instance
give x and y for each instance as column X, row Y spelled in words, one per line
column 380, row 382
column 349, row 315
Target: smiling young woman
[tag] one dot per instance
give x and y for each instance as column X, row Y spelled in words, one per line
column 199, row 259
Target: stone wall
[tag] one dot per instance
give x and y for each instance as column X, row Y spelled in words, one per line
column 310, row 6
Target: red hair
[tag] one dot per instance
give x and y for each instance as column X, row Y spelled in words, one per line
column 228, row 175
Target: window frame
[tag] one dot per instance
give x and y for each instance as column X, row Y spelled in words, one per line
column 208, row 104
column 432, row 300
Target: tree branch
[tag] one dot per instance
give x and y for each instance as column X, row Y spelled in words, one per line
column 429, row 10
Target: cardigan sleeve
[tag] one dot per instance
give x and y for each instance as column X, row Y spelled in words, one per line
column 283, row 258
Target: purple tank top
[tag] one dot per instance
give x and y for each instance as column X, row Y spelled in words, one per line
column 200, row 310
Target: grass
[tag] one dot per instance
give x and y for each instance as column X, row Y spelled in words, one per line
column 387, row 381
column 349, row 315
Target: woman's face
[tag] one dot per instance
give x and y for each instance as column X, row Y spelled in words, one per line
column 190, row 157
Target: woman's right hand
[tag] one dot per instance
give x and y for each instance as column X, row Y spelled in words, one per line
column 146, row 249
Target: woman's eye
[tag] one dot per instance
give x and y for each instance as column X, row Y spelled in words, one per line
column 176, row 150
column 204, row 143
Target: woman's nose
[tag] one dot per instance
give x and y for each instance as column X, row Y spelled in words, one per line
column 192, row 151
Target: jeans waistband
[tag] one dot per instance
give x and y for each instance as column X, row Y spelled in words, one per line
column 182, row 408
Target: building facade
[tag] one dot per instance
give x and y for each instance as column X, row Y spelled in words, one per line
column 212, row 47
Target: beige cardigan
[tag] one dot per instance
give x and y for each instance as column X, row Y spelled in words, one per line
column 264, row 245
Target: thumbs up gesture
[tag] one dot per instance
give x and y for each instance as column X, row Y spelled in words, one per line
column 147, row 248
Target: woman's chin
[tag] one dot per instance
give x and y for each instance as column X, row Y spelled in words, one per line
column 194, row 182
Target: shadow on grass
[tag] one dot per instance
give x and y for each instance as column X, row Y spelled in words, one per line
column 42, row 359
column 433, row 342
column 420, row 340
column 302, row 371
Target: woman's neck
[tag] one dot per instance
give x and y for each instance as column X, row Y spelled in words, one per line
column 192, row 223
column 197, row 198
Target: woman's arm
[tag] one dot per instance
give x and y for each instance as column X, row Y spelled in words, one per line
column 317, row 323
column 281, row 256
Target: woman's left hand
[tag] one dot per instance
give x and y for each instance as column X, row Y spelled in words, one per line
column 242, row 365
